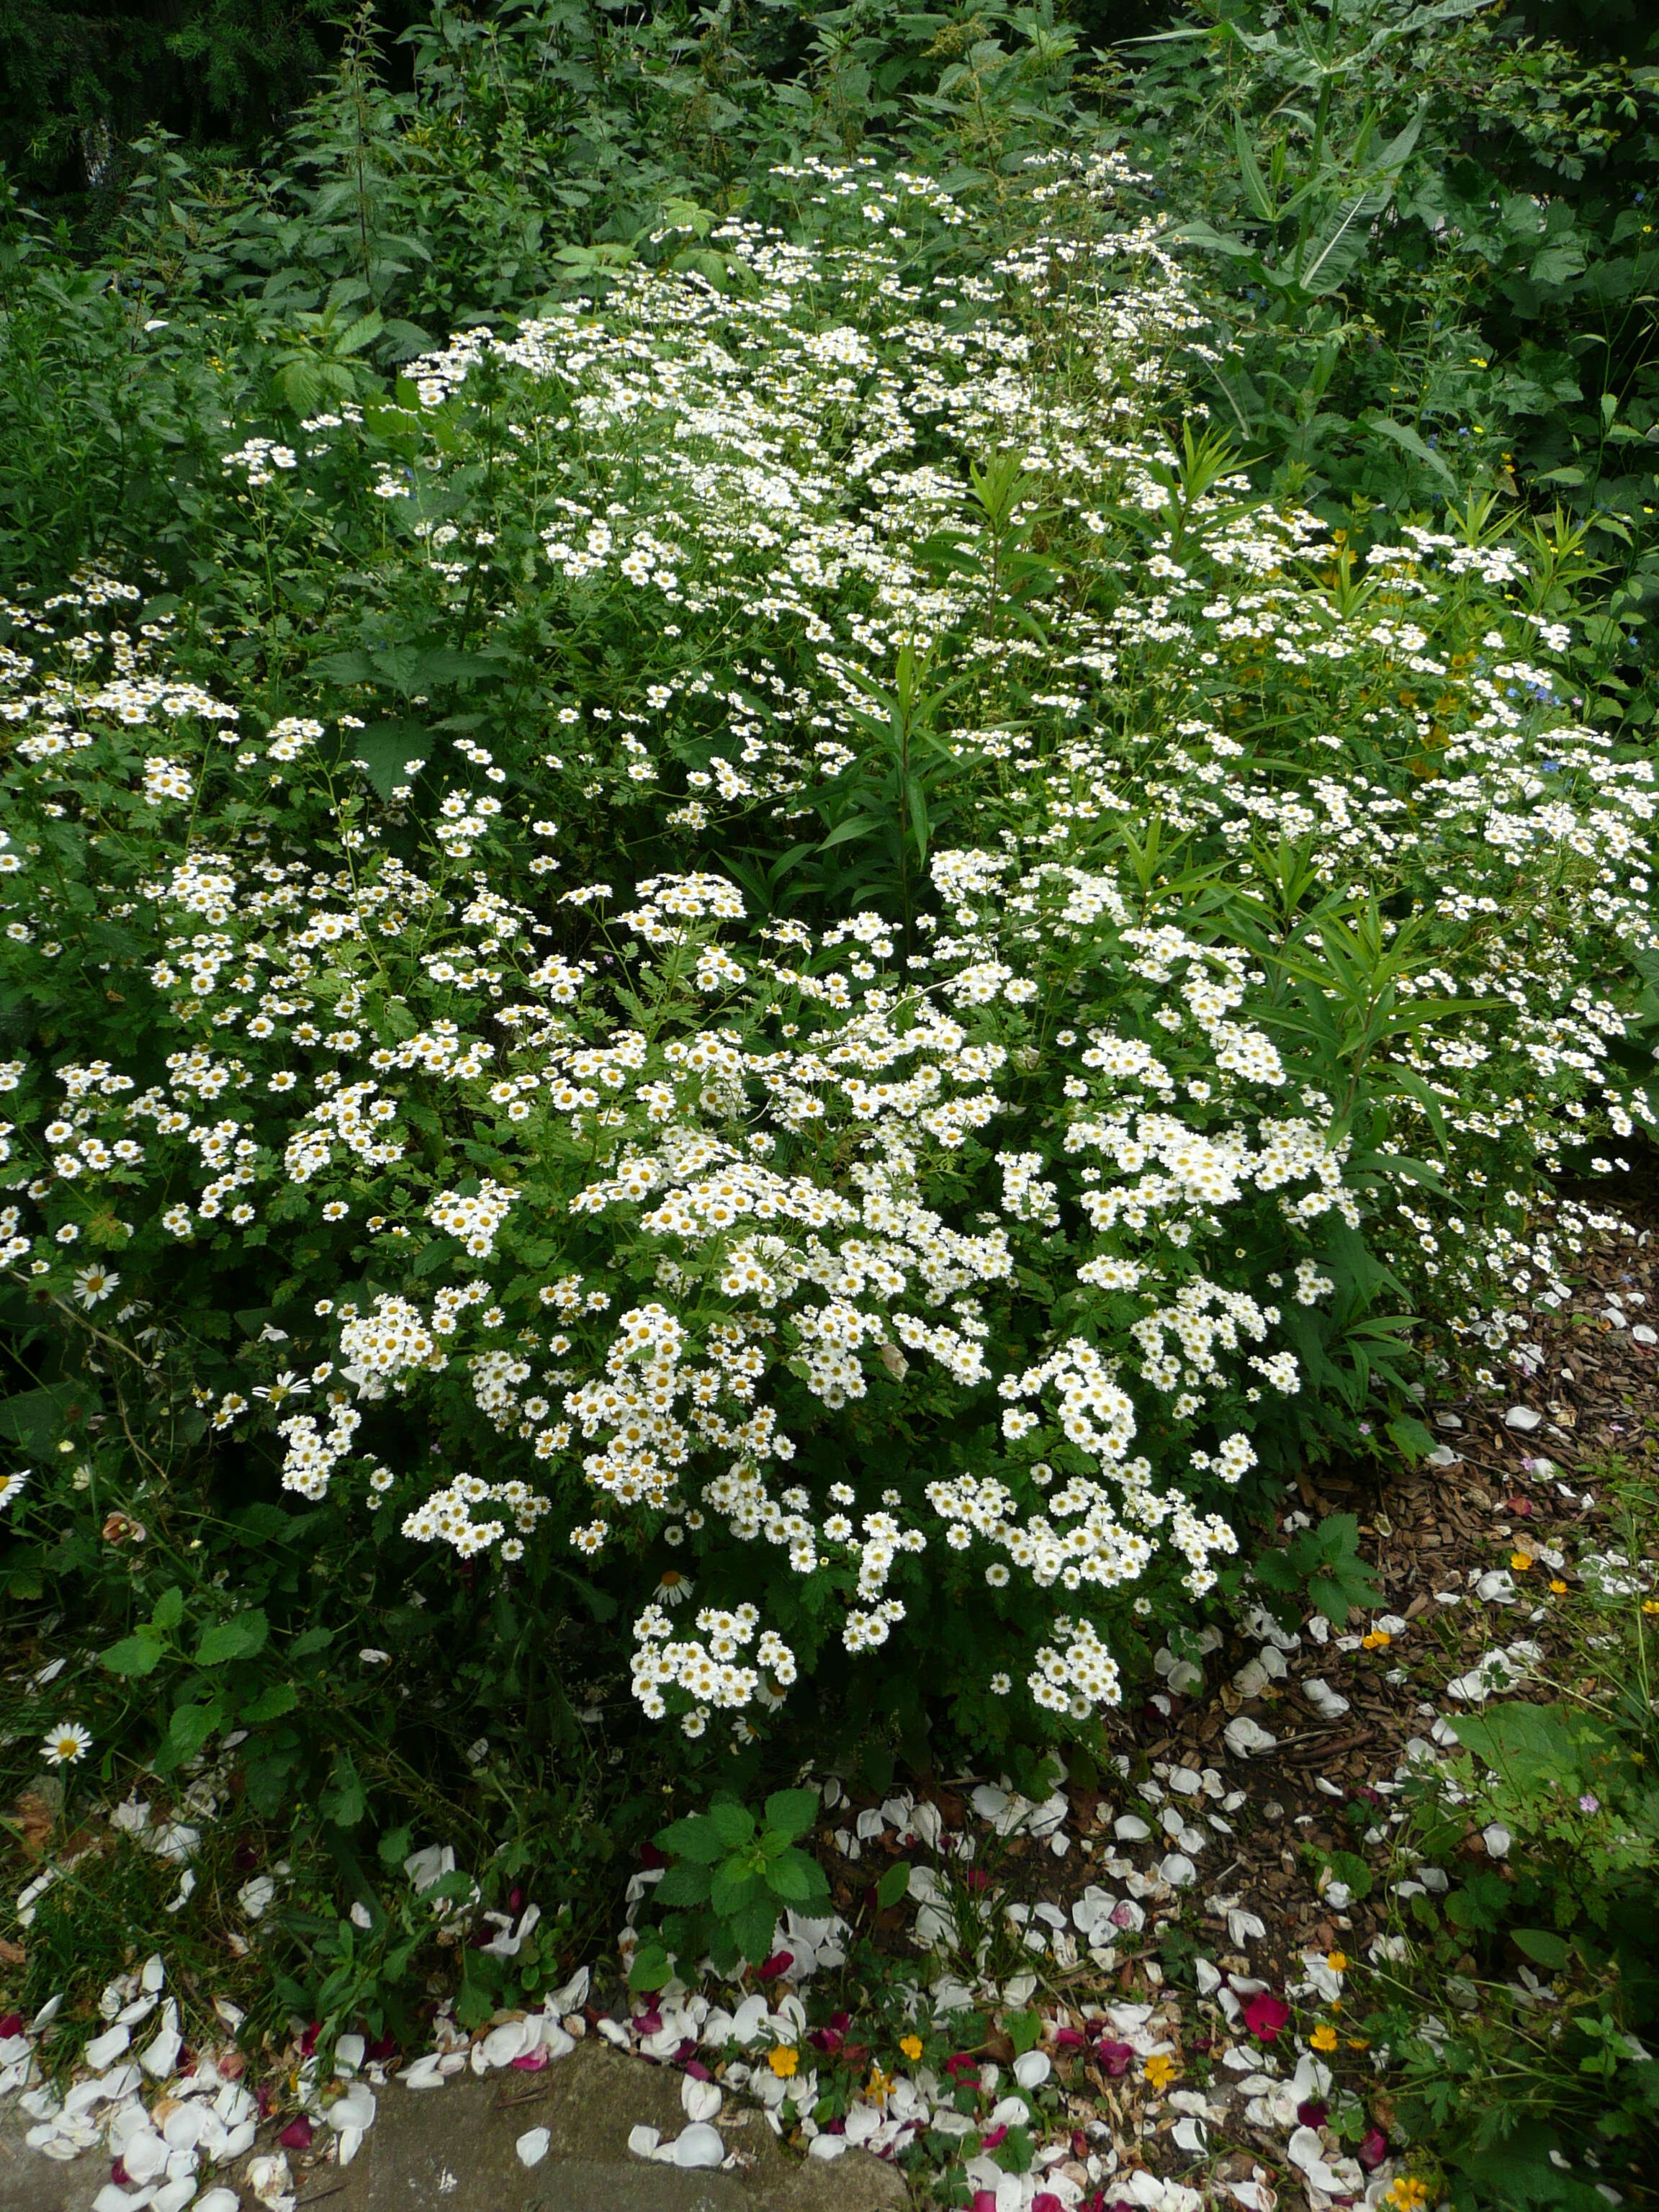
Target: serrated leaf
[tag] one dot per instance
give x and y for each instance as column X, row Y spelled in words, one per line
column 686, row 1885
column 791, row 1813
column 733, row 1824
column 694, row 1837
column 133, row 1655
column 169, row 1609
column 732, row 1889
column 239, row 1637
column 270, row 1705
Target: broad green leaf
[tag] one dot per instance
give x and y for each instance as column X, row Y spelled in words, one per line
column 695, row 1838
column 684, row 1885
column 732, row 1887
column 792, row 1812
column 270, row 1705
column 733, row 1823
column 893, row 1886
column 239, row 1637
column 169, row 1609
column 651, row 1968
column 1542, row 1946
column 133, row 1655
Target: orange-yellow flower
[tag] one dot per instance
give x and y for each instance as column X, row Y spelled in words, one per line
column 1377, row 1640
column 911, row 2046
column 1559, row 1588
column 1323, row 2037
column 1337, row 1961
column 1159, row 2069
column 784, row 2060
column 1522, row 1562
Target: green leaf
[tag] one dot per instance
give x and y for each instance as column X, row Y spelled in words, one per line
column 651, row 1968
column 752, row 1931
column 732, row 1888
column 190, row 1728
column 270, row 1705
column 733, row 1823
column 1255, row 185
column 1411, row 1436
column 389, row 751
column 1408, row 441
column 169, row 1609
column 393, row 1847
column 1543, row 1946
column 893, row 1886
column 345, row 1801
column 686, row 1885
column 239, row 1637
column 694, row 1837
column 133, row 1655
column 1024, row 2029
column 791, row 1813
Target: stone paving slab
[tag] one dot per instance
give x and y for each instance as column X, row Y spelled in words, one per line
column 454, row 2150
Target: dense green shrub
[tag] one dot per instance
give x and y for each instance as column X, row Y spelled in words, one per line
column 773, row 950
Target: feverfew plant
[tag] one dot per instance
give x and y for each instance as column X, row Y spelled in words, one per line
column 869, row 997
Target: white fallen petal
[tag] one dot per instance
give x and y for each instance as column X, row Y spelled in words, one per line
column 1330, row 1705
column 1032, row 2068
column 105, row 2049
column 699, row 2100
column 1524, row 1419
column 1246, row 1738
column 532, row 2146
column 826, row 2146
column 698, row 2146
column 643, row 2142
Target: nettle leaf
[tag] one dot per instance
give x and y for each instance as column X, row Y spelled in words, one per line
column 731, row 1888
column 695, row 1837
column 652, row 1967
column 133, row 1655
column 791, row 1813
column 684, row 1885
column 733, row 1824
column 239, row 1637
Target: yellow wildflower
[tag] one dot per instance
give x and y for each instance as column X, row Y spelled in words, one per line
column 911, row 2046
column 1558, row 1588
column 1337, row 1961
column 1522, row 1562
column 1160, row 2070
column 784, row 2060
column 1323, row 2037
column 1378, row 1639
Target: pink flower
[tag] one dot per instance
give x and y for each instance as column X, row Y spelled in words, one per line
column 1265, row 2015
column 1373, row 2149
column 1115, row 2058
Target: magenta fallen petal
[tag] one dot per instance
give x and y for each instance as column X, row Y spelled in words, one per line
column 1312, row 2112
column 698, row 2070
column 780, row 1962
column 992, row 2137
column 1372, row 2150
column 1265, row 2015
column 1114, row 2057
column 531, row 2062
column 1046, row 2201
column 1069, row 2038
column 296, row 2135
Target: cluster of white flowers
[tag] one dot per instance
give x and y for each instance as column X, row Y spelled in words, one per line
column 992, row 1193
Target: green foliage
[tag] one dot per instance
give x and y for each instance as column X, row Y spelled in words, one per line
column 1322, row 1566
column 731, row 1873
column 1528, row 2012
